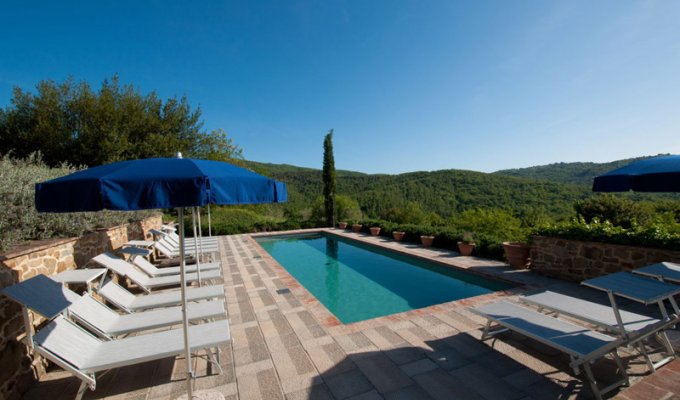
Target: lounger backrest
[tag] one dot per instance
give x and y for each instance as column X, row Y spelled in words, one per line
column 94, row 313
column 116, row 294
column 161, row 246
column 67, row 341
column 145, row 265
column 122, row 267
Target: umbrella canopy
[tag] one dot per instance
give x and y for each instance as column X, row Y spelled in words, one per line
column 156, row 183
column 659, row 174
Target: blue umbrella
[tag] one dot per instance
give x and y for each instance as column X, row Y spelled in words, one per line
column 658, row 174
column 156, row 183
column 159, row 183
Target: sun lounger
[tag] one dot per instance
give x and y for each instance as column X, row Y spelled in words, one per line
column 174, row 237
column 154, row 271
column 637, row 327
column 99, row 318
column 107, row 323
column 83, row 355
column 171, row 240
column 666, row 271
column 123, row 299
column 146, row 283
column 583, row 345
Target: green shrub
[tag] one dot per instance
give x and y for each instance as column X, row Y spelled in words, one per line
column 662, row 232
column 617, row 210
column 19, row 220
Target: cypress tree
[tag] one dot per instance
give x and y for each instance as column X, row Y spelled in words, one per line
column 329, row 179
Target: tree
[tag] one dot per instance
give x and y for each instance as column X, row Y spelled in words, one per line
column 69, row 122
column 329, row 179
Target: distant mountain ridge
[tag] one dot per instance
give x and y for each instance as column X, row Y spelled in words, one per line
column 552, row 189
column 579, row 173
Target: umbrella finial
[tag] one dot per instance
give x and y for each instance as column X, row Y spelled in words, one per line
column 178, row 155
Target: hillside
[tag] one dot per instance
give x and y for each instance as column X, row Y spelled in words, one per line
column 445, row 192
column 581, row 173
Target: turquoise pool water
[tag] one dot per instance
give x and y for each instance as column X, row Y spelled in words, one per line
column 358, row 282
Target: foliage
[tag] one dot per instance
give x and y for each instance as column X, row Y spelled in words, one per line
column 346, row 209
column 662, row 232
column 619, row 211
column 492, row 222
column 328, row 174
column 231, row 220
column 437, row 194
column 19, row 220
column 69, row 122
column 412, row 212
column 577, row 172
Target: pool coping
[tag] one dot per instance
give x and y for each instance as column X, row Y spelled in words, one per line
column 494, row 270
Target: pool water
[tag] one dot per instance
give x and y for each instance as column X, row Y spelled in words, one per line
column 357, row 282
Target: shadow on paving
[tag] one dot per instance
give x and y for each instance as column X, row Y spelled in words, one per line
column 158, row 379
column 458, row 367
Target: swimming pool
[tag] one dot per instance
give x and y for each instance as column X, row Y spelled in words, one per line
column 357, row 282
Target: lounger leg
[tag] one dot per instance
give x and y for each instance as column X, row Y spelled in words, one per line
column 81, row 390
column 619, row 364
column 663, row 339
column 648, row 360
column 487, row 334
column 591, row 381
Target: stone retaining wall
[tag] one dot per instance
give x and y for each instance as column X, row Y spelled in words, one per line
column 576, row 261
column 18, row 369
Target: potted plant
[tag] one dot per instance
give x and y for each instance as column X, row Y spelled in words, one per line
column 398, row 235
column 466, row 245
column 375, row 230
column 426, row 240
column 356, row 228
column 517, row 254
column 342, row 225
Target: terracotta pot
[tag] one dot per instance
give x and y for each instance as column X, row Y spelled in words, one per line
column 398, row 235
column 342, row 225
column 426, row 240
column 465, row 249
column 517, row 254
column 375, row 230
column 356, row 228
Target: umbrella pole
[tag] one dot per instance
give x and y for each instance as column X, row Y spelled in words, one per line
column 185, row 318
column 196, row 252
column 209, row 225
column 200, row 231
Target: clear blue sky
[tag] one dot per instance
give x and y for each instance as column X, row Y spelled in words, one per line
column 407, row 85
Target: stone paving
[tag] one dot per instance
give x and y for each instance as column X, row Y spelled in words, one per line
column 286, row 345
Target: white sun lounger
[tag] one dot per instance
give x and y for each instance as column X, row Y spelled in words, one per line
column 99, row 318
column 583, row 345
column 107, row 323
column 170, row 251
column 174, row 238
column 171, row 241
column 154, row 271
column 637, row 327
column 123, row 268
column 83, row 355
column 123, row 299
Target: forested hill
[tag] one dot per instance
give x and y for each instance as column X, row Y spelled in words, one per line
column 577, row 172
column 445, row 192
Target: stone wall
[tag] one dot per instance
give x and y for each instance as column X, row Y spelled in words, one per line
column 576, row 261
column 18, row 369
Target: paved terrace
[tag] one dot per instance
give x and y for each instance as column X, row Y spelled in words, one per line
column 286, row 345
